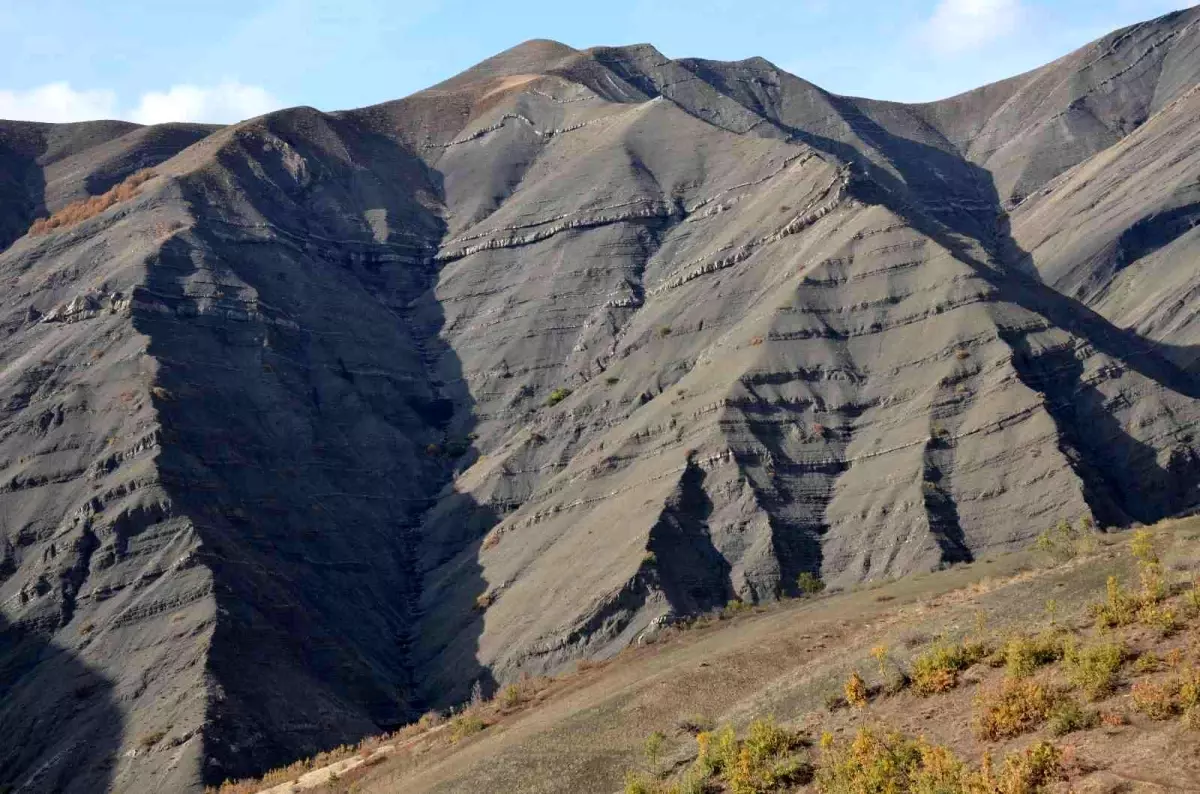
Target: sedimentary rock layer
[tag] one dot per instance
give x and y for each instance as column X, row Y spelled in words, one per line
column 341, row 414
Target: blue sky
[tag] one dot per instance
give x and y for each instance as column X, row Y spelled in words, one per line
column 223, row 60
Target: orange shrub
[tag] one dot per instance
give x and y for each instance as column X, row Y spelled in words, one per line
column 79, row 211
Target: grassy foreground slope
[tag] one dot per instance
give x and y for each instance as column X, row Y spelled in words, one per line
column 1083, row 682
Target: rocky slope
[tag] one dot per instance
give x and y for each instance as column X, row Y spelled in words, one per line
column 343, row 413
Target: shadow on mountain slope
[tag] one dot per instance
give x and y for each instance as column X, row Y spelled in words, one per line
column 63, row 725
column 1117, row 492
column 304, row 437
column 22, row 190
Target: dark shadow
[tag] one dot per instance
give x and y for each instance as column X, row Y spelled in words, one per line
column 940, row 507
column 688, row 568
column 1155, row 231
column 309, row 412
column 796, row 497
column 1122, row 478
column 60, row 723
column 22, row 185
column 148, row 147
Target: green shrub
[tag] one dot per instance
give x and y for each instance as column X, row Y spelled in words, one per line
column 1160, row 617
column 936, row 669
column 557, row 396
column 1024, row 654
column 1064, row 542
column 465, row 725
column 1027, row 772
column 1119, row 608
column 1068, row 716
column 734, row 607
column 809, row 583
column 653, row 747
column 1095, row 670
column 891, row 763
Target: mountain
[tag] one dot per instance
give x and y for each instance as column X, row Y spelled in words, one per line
column 327, row 417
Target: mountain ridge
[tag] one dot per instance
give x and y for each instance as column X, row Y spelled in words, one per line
column 345, row 413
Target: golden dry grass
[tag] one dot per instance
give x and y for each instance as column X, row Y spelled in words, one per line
column 79, row 211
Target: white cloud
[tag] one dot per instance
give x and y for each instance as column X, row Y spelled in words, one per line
column 227, row 102
column 959, row 26
column 223, row 103
column 57, row 102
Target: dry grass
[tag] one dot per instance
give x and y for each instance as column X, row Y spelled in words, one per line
column 79, row 211
column 588, row 728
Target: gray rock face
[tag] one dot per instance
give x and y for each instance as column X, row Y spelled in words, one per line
column 345, row 412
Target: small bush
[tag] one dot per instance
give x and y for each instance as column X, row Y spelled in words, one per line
column 612, row 380
column 855, row 690
column 1142, row 546
column 766, row 760
column 1064, row 542
column 465, row 725
column 1159, row 617
column 642, row 783
column 512, row 696
column 1027, row 772
column 79, row 211
column 1113, row 719
column 1120, row 607
column 557, row 396
column 1191, row 599
column 890, row 763
column 808, row 584
column 735, row 607
column 1189, row 691
column 1148, row 662
column 1155, row 700
column 1024, row 654
column 430, row 719
column 664, row 331
column 1068, row 716
column 1016, row 706
column 890, row 673
column 936, row 669
column 653, row 747
column 1095, row 670
column 1153, row 581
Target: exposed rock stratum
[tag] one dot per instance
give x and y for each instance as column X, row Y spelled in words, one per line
column 341, row 413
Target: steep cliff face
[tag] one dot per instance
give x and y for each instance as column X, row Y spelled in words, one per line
column 338, row 414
